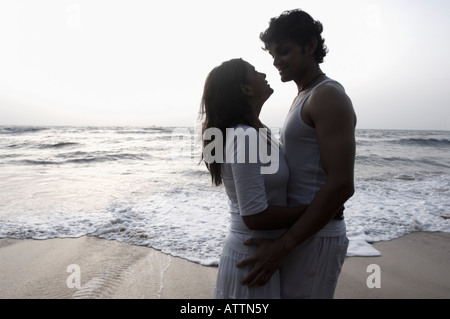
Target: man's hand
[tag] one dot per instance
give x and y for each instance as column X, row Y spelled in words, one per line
column 267, row 260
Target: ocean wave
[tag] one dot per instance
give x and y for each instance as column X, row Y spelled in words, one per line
column 20, row 129
column 416, row 163
column 430, row 142
column 192, row 223
column 58, row 145
column 82, row 159
column 196, row 173
column 109, row 158
column 35, row 162
column 149, row 130
column 19, row 145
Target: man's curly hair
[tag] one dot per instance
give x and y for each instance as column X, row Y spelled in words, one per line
column 298, row 26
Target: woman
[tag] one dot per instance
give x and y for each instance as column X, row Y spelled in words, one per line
column 233, row 97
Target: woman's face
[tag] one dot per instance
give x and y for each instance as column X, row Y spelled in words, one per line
column 257, row 89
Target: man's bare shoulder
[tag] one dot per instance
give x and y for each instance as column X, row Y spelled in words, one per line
column 332, row 91
column 329, row 99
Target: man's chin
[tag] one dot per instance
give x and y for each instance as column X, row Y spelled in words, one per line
column 285, row 79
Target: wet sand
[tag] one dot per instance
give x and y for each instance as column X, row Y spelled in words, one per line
column 414, row 266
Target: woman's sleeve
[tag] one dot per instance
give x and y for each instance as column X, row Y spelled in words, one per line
column 248, row 180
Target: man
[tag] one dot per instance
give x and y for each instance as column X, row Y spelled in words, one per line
column 319, row 143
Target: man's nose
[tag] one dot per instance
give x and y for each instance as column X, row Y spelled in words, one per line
column 276, row 62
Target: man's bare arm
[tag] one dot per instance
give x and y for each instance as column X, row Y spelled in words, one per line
column 274, row 217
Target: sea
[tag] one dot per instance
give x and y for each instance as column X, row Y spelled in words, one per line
column 146, row 186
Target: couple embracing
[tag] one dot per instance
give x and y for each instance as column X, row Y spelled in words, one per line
column 287, row 237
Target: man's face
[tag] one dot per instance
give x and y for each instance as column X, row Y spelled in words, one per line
column 289, row 58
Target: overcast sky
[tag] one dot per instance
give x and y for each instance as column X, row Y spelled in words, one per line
column 98, row 62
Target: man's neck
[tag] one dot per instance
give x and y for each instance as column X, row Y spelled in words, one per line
column 304, row 82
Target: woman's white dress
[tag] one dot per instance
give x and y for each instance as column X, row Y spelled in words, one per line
column 249, row 192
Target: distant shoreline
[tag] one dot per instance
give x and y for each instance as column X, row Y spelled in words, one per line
column 153, row 126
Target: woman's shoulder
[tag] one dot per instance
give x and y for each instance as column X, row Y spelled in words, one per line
column 247, row 128
column 242, row 130
column 244, row 127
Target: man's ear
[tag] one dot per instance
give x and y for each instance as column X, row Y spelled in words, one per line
column 246, row 90
column 311, row 47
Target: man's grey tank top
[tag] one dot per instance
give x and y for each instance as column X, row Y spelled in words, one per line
column 306, row 174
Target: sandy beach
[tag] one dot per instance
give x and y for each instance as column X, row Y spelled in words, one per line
column 414, row 266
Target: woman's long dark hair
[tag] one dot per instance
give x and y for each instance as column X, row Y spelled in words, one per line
column 224, row 105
